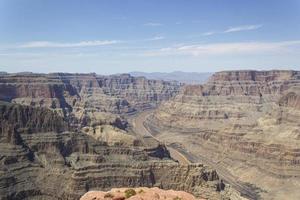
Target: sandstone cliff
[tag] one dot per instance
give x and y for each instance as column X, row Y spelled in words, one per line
column 115, row 93
column 41, row 157
column 86, row 99
column 246, row 122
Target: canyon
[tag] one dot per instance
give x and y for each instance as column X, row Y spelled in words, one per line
column 244, row 123
column 65, row 134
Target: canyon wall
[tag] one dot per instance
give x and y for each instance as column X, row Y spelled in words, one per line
column 116, row 93
column 86, row 99
column 247, row 122
column 42, row 158
column 62, row 135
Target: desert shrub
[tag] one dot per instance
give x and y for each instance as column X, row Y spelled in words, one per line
column 177, row 198
column 129, row 193
column 141, row 191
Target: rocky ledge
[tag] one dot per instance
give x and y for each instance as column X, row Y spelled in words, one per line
column 141, row 193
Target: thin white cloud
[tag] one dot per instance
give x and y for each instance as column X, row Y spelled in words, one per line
column 209, row 33
column 227, row 48
column 234, row 29
column 48, row 44
column 156, row 38
column 153, row 24
column 243, row 28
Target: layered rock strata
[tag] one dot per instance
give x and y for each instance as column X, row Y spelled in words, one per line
column 247, row 122
column 116, row 93
column 42, row 157
column 87, row 100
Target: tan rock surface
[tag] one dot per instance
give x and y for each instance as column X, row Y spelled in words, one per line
column 142, row 193
column 245, row 122
column 62, row 135
column 42, row 158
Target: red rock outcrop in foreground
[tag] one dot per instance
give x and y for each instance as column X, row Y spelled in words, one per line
column 142, row 193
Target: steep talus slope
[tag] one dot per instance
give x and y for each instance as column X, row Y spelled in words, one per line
column 44, row 156
column 247, row 122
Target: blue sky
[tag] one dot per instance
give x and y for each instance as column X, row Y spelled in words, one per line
column 116, row 36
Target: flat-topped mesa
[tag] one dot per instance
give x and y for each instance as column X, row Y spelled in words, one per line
column 138, row 89
column 252, row 75
column 253, row 83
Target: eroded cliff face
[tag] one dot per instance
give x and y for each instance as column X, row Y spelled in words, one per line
column 41, row 157
column 116, row 93
column 86, row 99
column 246, row 121
column 91, row 103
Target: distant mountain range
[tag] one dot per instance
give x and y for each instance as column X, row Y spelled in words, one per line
column 183, row 77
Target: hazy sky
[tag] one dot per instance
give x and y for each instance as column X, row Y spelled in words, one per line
column 114, row 36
